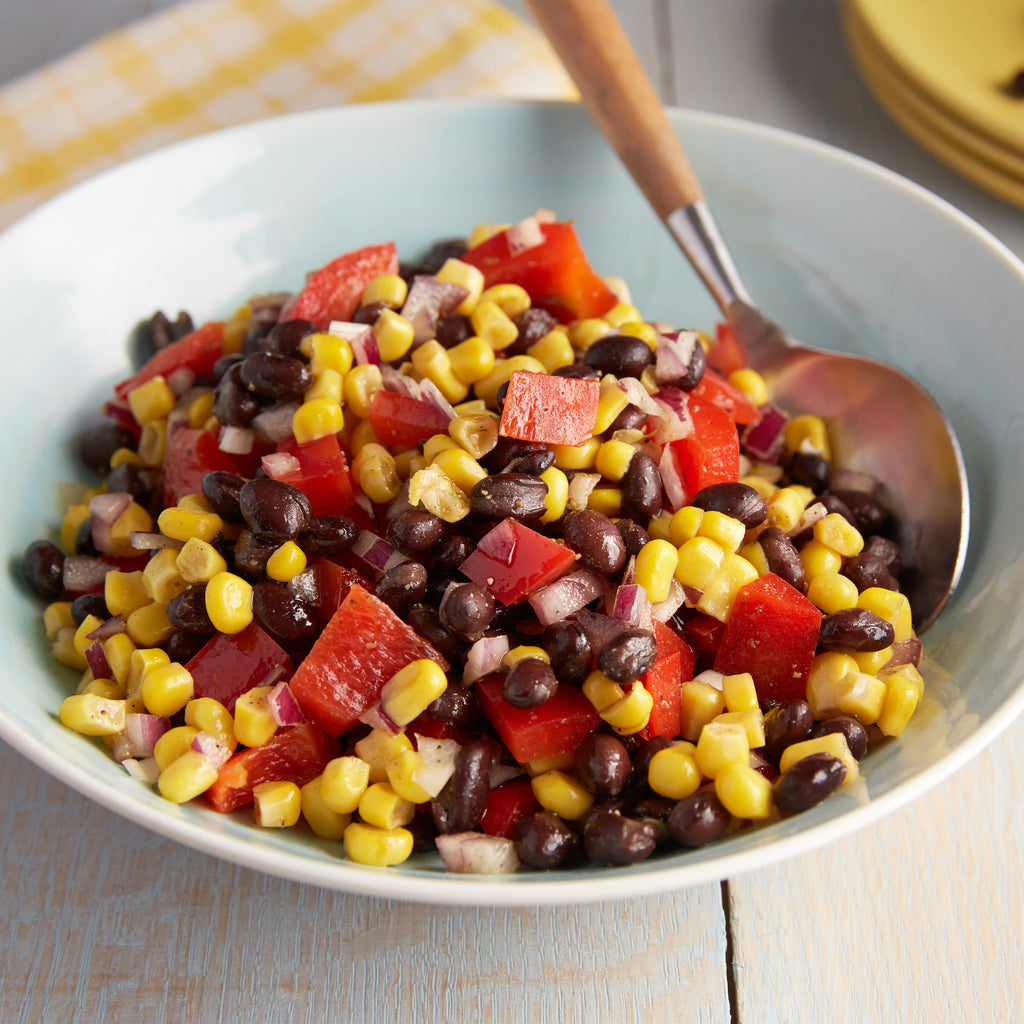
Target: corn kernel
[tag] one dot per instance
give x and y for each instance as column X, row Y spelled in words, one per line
column 554, row 350
column 719, row 745
column 57, row 616
column 557, row 498
column 437, row 443
column 751, row 383
column 286, row 562
column 324, row 822
column 92, row 715
column 469, row 277
column 200, row 409
column 344, row 781
column 751, row 720
column 699, row 560
column 522, row 652
column 401, row 770
column 807, row 433
column 583, row 333
column 124, row 592
column 511, row 299
column 744, row 792
column 327, row 352
column 904, row 689
column 186, row 777
column 613, row 459
column 838, row 533
column 254, row 724
column 63, row 650
column 181, row 523
column 166, row 689
column 701, row 704
column 377, row 748
column 390, row 289
column 133, row 519
column 461, row 467
column 754, row 554
column 475, row 433
column 276, row 804
column 832, row 592
column 208, row 715
column 493, row 324
column 328, row 385
column 724, row 530
column 377, row 847
column 655, row 566
column 317, row 418
column 631, row 712
column 118, row 651
column 161, row 579
column 153, row 443
column 638, row 329
column 827, row 670
column 151, row 401
column 169, row 747
column 623, row 313
column 431, row 360
column 128, row 457
column 740, row 694
column 601, row 691
column 833, row 743
column 562, row 794
column 860, row 695
column 673, row 773
column 606, row 500
column 819, row 559
column 199, row 561
column 380, row 805
column 412, row 689
column 766, row 488
column 872, row 662
column 685, row 524
column 229, row 602
column 785, row 507
column 149, row 625
column 107, row 688
column 361, row 384
column 720, row 591
column 892, row 606
column 140, row 661
column 556, row 762
column 576, row 457
column 437, row 493
column 471, row 360
column 611, row 402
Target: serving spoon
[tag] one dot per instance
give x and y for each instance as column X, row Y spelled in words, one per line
column 881, row 421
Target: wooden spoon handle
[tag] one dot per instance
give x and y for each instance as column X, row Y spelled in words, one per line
column 600, row 59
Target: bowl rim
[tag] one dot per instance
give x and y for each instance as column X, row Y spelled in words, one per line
column 658, row 877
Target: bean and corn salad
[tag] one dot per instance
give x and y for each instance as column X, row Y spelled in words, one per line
column 470, row 556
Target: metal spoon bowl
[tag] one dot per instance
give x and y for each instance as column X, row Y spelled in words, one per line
column 881, row 421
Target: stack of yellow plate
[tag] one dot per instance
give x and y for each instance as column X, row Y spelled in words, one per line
column 944, row 70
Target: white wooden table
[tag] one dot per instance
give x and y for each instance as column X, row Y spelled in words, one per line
column 917, row 918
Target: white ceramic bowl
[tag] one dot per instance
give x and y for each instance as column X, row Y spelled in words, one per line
column 843, row 253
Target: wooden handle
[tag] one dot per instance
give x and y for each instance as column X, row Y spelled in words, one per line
column 600, row 59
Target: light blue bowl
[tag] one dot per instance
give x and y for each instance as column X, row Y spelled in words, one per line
column 843, row 253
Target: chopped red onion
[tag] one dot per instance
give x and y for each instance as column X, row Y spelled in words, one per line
column 674, row 421
column 141, row 732
column 377, row 718
column 672, row 478
column 104, row 512
column 422, row 307
column 280, row 464
column 852, row 480
column 664, row 610
column 673, row 354
column 360, row 338
column 284, row 709
column 474, row 853
column 83, row 573
column 430, row 393
column 108, row 628
column 568, row 595
column 527, row 234
column 763, row 440
column 143, row 541
column 144, row 769
column 639, row 396
column 366, row 505
column 810, row 515
column 275, row 424
column 216, row 751
column 580, row 488
column 237, row 440
column 905, row 652
column 437, row 763
column 97, row 660
column 631, row 605
column 484, row 657
column 711, row 677
column 376, row 551
column 180, row 380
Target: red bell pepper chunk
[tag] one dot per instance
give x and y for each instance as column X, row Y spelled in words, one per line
column 190, row 455
column 548, row 730
column 664, row 680
column 552, row 410
column 322, row 474
column 772, row 633
column 333, row 582
column 727, row 353
column 226, row 666
column 706, row 633
column 513, row 561
column 507, row 806
column 298, row 753
column 335, row 290
column 716, row 389
column 197, row 351
column 399, row 419
column 711, row 454
column 363, row 645
column 555, row 274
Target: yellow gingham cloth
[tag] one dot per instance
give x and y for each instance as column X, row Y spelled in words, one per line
column 205, row 64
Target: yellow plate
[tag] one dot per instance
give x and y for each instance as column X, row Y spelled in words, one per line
column 976, row 157
column 960, row 54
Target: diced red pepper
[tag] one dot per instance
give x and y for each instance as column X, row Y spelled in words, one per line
column 333, row 582
column 197, row 351
column 555, row 274
column 424, row 725
column 551, row 410
column 548, row 730
column 711, row 454
column 363, row 645
column 298, row 753
column 228, row 665
column 322, row 474
column 190, row 455
column 335, row 290
column 507, row 806
column 513, row 561
column 706, row 633
column 726, row 355
column 399, row 419
column 715, row 388
column 664, row 680
column 772, row 633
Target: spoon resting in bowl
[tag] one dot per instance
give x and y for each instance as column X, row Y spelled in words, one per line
column 881, row 421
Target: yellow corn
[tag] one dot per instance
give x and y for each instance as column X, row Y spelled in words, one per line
column 181, row 523
column 631, row 712
column 127, row 457
column 613, row 458
column 476, row 433
column 361, row 384
column 328, row 385
column 766, row 488
column 785, row 507
column 200, row 409
column 276, row 804
column 873, row 662
column 411, row 690
column 149, row 626
column 471, row 360
column 891, row 606
column 583, row 456
column 606, row 500
column 860, row 695
column 638, row 329
column 153, row 443
column 124, row 592
column 62, row 649
column 720, row 592
column 210, row 716
column 431, row 360
column 151, row 401
column 557, row 497
column 819, row 559
column 327, row 352
column 286, row 562
column 102, row 688
column 685, row 524
column 835, row 531
column 556, row 762
column 316, row 418
column 751, row 383
column 754, row 554
column 623, row 313
column 377, row 748
column 673, row 772
column 401, row 770
column 72, row 522
column 195, row 503
column 601, row 691
column 387, row 288
column 611, row 401
column 140, row 661
column 199, row 561
column 562, row 794
column 324, row 822
column 344, row 781
column 186, row 777
column 699, row 560
column 377, row 847
column 827, row 670
column 173, row 744
column 511, row 299
column 133, row 518
column 85, row 627
column 229, row 602
column 832, row 592
column 751, row 720
column 493, row 324
column 725, row 531
column 161, row 579
column 719, row 745
column 522, row 652
column 655, row 566
column 701, row 704
column 57, row 616
column 380, row 805
column 807, row 433
column 433, row 446
column 554, row 350
column 469, row 277
column 166, row 689
column 461, row 467
column 118, row 650
column 744, row 792
column 740, row 694
column 432, row 488
column 583, row 333
column 904, row 689
column 253, row 722
column 833, row 743
column 92, row 715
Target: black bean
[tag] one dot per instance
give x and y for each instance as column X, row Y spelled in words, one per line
column 533, row 324
column 627, row 657
column 533, row 463
column 642, row 759
column 416, row 531
column 276, row 377
column 569, row 649
column 740, row 501
column 603, row 764
column 782, row 557
column 885, row 549
column 698, row 819
column 453, row 550
column 274, row 510
column 43, row 569
column 458, row 706
column 98, row 442
column 222, row 365
column 467, row 610
column 331, row 536
column 578, row 371
column 631, row 418
column 440, row 252
column 130, row 479
column 369, row 314
column 593, row 536
column 808, row 782
column 426, row 621
column 508, row 449
column 610, row 838
column 529, row 683
column 234, row 404
column 868, row 512
column 438, row 586
column 89, row 604
column 695, row 370
column 870, row 571
column 251, row 553
column 402, row 586
column 810, row 470
column 634, row 536
column 852, row 728
column 643, row 495
column 620, row 354
column 187, row 611
column 286, row 336
column 221, row 489
column 84, row 544
column 784, row 724
column 856, row 629
column 509, row 495
column 499, row 396
column 655, row 809
column 282, row 614
column 182, row 646
column 545, row 841
column 453, row 329
column 471, row 784
column 162, row 331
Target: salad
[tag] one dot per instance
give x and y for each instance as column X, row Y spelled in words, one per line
column 472, row 556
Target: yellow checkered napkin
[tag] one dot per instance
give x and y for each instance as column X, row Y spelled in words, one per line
column 205, row 64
